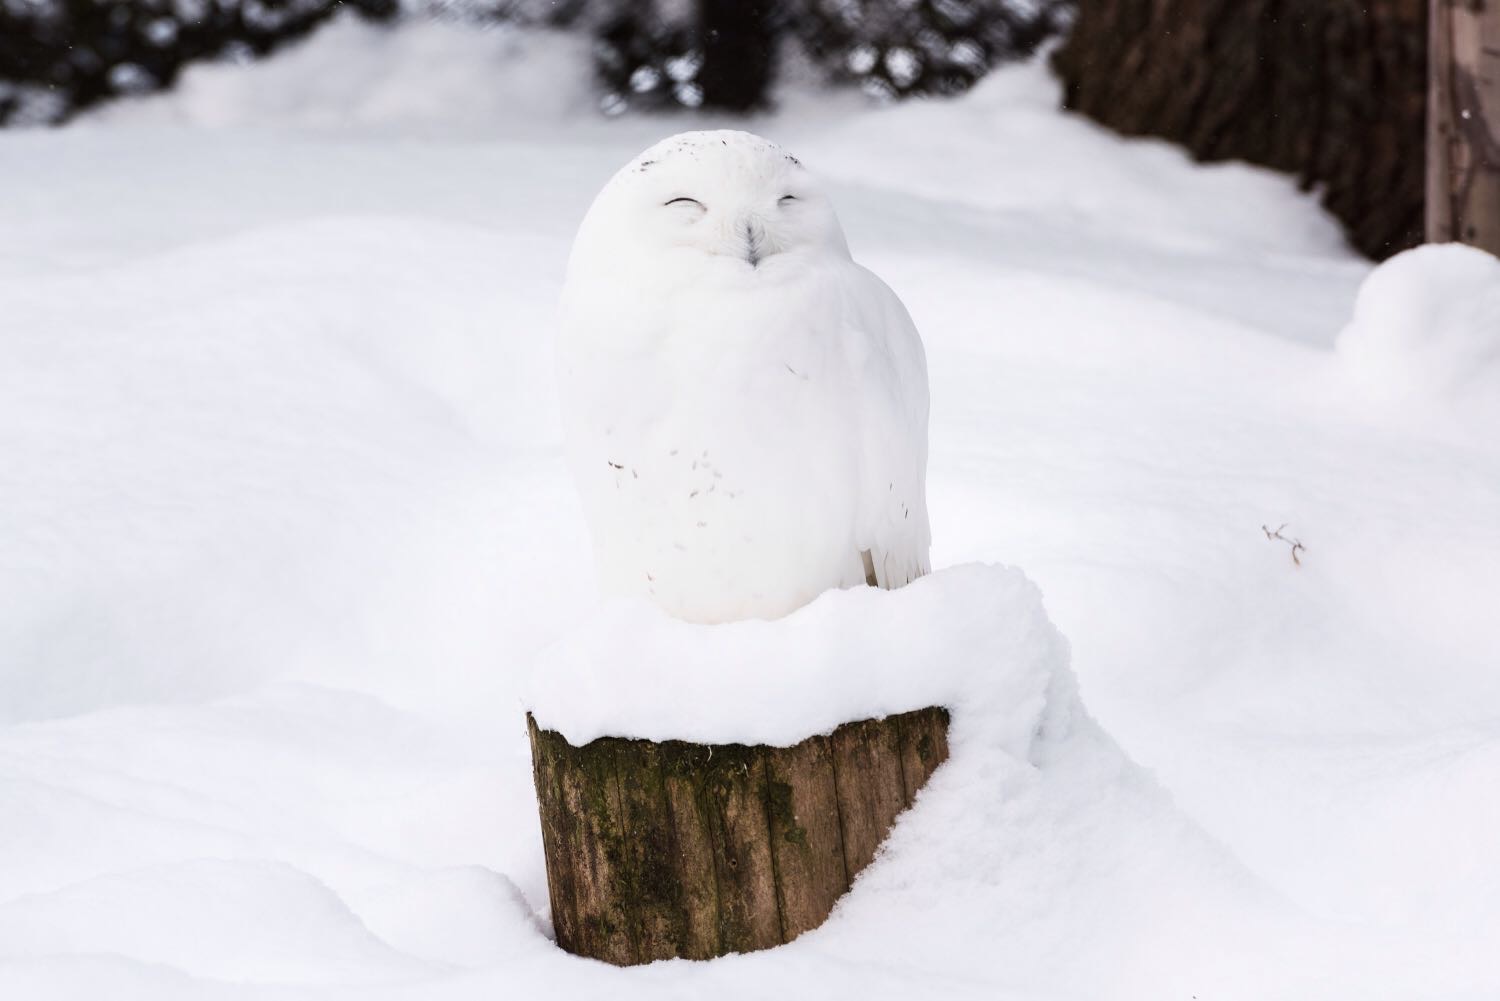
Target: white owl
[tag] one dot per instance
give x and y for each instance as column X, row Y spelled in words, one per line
column 745, row 407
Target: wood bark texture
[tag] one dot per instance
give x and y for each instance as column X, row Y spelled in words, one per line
column 1463, row 123
column 671, row 849
column 1333, row 91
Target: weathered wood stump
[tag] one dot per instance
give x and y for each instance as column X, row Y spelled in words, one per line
column 671, row 849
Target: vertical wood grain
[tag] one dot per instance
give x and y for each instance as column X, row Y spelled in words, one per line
column 806, row 842
column 1463, row 179
column 660, row 850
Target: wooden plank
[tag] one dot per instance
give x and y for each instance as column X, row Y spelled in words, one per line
column 806, row 842
column 683, row 768
column 734, row 798
column 1440, row 134
column 871, row 787
column 652, row 889
column 593, row 848
column 924, row 745
column 1464, row 124
column 562, row 889
column 1481, row 88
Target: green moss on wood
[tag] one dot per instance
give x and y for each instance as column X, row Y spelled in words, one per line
column 671, row 848
column 779, row 803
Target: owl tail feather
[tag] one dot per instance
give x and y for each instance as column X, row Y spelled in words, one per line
column 890, row 573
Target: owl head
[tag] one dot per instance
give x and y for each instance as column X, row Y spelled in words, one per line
column 706, row 205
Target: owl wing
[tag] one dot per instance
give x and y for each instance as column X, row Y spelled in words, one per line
column 890, row 387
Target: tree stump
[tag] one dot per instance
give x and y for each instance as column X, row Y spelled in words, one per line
column 672, row 849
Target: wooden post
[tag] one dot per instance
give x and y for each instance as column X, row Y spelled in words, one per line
column 663, row 850
column 1463, row 123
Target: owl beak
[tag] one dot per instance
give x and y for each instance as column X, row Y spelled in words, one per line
column 755, row 240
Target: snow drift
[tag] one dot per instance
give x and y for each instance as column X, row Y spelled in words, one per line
column 1427, row 325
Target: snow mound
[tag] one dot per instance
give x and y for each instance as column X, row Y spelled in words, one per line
column 1091, row 181
column 307, row 400
column 206, row 918
column 429, row 74
column 1427, row 325
column 1034, row 794
column 973, row 638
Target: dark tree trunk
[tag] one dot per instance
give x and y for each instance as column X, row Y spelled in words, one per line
column 663, row 850
column 1333, row 91
column 737, row 41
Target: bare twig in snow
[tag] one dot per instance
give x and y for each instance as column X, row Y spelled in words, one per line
column 1297, row 547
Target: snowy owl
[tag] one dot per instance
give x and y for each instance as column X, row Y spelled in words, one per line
column 745, row 407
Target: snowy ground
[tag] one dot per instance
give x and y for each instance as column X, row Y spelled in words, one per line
column 283, row 525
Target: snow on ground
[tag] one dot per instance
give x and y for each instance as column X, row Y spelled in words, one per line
column 283, row 527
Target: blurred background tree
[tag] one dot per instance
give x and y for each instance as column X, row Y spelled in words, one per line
column 923, row 47
column 722, row 53
column 1332, row 91
column 59, row 56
